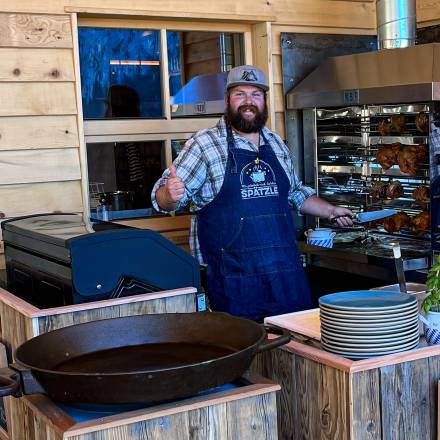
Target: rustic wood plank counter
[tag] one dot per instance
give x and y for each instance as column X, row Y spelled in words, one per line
column 246, row 412
column 20, row 321
column 327, row 396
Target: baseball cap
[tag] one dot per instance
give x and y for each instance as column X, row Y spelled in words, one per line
column 246, row 76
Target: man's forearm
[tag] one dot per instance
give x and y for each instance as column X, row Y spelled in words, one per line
column 163, row 202
column 317, row 207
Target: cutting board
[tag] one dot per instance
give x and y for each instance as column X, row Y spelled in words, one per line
column 305, row 323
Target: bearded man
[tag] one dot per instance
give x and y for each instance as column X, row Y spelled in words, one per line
column 238, row 177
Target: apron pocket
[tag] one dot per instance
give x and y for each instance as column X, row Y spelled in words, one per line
column 259, row 260
column 262, row 231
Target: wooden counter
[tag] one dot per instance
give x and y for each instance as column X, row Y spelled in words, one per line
column 326, row 396
column 247, row 412
column 20, row 321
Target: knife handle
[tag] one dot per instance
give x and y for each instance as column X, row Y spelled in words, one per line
column 333, row 220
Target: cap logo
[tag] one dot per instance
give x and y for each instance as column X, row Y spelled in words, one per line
column 249, row 75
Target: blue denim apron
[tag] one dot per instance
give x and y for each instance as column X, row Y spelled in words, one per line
column 247, row 239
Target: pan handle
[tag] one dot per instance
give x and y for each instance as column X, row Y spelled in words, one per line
column 9, row 383
column 273, row 343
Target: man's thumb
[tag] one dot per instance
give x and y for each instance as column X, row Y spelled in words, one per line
column 173, row 171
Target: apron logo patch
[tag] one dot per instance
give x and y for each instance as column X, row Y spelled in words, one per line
column 258, row 180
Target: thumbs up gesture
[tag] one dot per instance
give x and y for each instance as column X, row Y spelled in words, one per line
column 174, row 188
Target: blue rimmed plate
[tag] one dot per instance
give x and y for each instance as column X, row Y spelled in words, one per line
column 367, row 300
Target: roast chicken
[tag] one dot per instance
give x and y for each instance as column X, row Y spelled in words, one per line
column 386, row 155
column 420, row 223
column 421, row 195
column 394, row 190
column 410, row 158
column 384, row 127
column 398, row 123
column 396, row 222
column 422, row 122
column 378, row 190
column 384, row 190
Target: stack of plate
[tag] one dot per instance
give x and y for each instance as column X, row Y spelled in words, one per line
column 365, row 323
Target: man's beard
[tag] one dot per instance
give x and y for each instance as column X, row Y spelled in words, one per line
column 237, row 121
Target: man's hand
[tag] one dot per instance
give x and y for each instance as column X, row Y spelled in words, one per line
column 174, row 188
column 342, row 221
column 169, row 195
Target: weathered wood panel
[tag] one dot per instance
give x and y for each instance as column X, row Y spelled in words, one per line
column 280, row 125
column 277, row 68
column 24, row 426
column 279, row 102
column 37, row 198
column 280, row 367
column 300, row 416
column 365, row 406
column 315, row 12
column 174, row 304
column 20, row 30
column 33, row 132
column 406, row 401
column 36, row 65
column 322, row 13
column 30, row 166
column 15, row 328
column 254, row 420
column 205, row 424
column 235, row 417
column 39, row 98
column 434, row 393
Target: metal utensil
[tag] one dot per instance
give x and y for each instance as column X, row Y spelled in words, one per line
column 399, row 267
column 370, row 216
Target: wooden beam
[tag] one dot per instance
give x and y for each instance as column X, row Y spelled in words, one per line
column 28, row 166
column 24, row 30
column 170, row 14
column 36, row 65
column 37, row 198
column 34, row 132
column 38, row 98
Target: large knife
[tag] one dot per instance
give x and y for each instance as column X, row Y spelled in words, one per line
column 369, row 216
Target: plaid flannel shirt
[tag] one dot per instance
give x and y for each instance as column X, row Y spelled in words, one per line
column 202, row 164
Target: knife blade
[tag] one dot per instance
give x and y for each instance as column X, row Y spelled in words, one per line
column 369, row 216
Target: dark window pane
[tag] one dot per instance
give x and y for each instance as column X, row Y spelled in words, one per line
column 120, row 73
column 127, row 166
column 177, row 146
column 198, row 63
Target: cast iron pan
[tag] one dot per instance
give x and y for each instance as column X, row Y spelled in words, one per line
column 137, row 359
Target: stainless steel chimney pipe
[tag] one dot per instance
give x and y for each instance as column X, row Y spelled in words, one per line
column 396, row 23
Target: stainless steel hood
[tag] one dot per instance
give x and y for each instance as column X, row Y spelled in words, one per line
column 202, row 95
column 405, row 75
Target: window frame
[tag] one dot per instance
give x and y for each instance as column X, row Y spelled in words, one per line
column 165, row 128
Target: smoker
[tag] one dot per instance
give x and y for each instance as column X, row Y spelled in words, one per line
column 59, row 259
column 371, row 137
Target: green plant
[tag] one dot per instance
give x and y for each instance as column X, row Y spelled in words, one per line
column 432, row 301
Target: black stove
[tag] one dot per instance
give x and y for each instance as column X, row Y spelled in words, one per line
column 54, row 260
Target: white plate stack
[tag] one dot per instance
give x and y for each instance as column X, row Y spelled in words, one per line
column 364, row 323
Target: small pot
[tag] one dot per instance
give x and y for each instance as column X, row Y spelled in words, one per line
column 322, row 237
column 119, row 200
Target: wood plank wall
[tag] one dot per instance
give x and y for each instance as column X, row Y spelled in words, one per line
column 40, row 167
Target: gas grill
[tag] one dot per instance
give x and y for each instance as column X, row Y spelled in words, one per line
column 59, row 259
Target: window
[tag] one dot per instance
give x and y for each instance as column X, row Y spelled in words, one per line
column 120, row 73
column 146, row 88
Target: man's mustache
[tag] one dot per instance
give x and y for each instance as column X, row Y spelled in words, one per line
column 244, row 108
